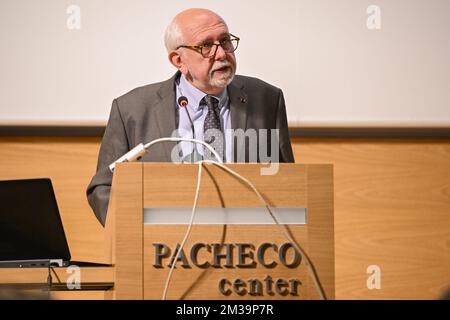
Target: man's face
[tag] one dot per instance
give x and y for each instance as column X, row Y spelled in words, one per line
column 210, row 75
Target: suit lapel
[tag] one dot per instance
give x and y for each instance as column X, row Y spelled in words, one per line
column 238, row 104
column 165, row 112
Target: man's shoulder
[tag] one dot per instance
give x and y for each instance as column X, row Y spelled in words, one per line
column 144, row 93
column 252, row 83
column 141, row 100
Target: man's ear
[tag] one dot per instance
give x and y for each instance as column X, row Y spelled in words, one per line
column 176, row 59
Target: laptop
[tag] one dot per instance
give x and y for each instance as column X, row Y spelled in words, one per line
column 31, row 230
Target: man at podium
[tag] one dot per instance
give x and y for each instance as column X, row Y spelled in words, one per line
column 203, row 97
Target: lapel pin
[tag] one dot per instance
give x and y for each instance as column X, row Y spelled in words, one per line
column 243, row 100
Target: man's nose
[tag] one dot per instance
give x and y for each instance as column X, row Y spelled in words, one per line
column 220, row 53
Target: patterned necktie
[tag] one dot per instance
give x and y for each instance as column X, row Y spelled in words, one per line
column 212, row 129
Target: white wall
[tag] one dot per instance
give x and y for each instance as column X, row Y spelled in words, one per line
column 333, row 70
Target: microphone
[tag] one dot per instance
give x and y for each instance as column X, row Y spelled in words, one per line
column 134, row 154
column 194, row 156
column 183, row 102
column 140, row 150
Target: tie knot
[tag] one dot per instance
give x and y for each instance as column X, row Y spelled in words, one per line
column 211, row 102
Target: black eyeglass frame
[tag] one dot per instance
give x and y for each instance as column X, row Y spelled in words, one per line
column 211, row 54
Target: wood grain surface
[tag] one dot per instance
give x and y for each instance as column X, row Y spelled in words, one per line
column 392, row 205
column 169, row 186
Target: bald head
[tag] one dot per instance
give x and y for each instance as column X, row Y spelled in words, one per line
column 186, row 26
column 190, row 35
column 198, row 14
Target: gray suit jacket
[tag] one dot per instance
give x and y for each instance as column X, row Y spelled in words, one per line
column 149, row 112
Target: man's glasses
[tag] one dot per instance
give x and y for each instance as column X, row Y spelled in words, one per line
column 208, row 50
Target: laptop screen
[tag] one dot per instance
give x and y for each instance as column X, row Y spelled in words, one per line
column 30, row 224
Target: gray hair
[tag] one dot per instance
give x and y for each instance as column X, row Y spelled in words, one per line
column 173, row 38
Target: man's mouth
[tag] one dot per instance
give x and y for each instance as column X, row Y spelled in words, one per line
column 223, row 69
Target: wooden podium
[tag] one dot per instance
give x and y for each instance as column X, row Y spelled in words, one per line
column 220, row 261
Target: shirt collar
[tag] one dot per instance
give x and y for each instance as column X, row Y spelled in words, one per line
column 195, row 95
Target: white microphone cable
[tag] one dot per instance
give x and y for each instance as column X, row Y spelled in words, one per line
column 140, row 150
column 175, row 139
column 308, row 263
column 188, row 231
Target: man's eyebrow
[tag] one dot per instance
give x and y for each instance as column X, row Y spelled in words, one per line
column 210, row 40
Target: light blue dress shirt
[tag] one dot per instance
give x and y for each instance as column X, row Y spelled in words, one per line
column 198, row 114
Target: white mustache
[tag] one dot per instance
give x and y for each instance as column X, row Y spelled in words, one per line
column 221, row 64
